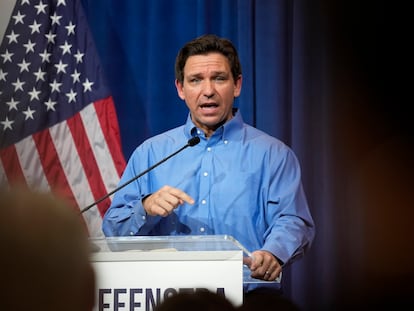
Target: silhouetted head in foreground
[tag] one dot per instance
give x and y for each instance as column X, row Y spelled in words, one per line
column 45, row 258
column 199, row 300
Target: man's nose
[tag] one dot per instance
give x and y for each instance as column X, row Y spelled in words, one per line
column 208, row 89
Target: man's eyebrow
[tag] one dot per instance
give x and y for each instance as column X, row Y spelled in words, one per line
column 198, row 74
column 220, row 72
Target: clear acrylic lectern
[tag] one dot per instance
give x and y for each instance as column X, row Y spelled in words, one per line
column 136, row 273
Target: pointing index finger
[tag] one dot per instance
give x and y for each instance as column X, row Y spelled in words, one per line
column 184, row 197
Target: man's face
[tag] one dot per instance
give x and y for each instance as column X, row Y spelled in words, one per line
column 209, row 90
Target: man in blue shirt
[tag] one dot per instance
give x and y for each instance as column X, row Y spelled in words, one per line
column 237, row 181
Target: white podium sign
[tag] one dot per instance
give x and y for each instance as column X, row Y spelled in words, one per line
column 136, row 273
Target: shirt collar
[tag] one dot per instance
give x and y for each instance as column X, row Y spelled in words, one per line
column 231, row 130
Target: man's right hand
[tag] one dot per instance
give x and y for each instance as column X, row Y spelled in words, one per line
column 165, row 200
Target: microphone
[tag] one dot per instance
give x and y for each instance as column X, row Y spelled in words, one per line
column 190, row 143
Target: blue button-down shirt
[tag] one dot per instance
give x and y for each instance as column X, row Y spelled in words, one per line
column 245, row 183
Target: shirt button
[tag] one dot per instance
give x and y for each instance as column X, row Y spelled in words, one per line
column 226, row 142
column 131, row 233
column 203, row 202
column 202, row 229
column 208, row 148
column 205, row 174
column 144, row 217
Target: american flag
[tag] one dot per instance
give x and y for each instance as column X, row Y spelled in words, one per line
column 58, row 125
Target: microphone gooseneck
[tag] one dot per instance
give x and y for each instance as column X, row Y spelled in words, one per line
column 193, row 141
column 190, row 143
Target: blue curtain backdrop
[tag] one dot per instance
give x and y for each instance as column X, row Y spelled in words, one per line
column 139, row 40
column 311, row 77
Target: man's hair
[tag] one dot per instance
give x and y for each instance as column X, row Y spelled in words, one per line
column 206, row 44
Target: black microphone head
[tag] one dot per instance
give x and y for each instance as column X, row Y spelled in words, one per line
column 193, row 141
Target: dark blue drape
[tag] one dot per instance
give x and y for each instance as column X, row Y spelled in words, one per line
column 313, row 77
column 138, row 42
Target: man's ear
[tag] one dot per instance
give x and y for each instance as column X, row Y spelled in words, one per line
column 238, row 86
column 179, row 87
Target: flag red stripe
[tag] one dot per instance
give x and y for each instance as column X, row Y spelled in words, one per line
column 88, row 161
column 108, row 120
column 52, row 167
column 12, row 167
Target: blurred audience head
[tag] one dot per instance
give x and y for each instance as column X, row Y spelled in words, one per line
column 202, row 300
column 45, row 257
column 263, row 300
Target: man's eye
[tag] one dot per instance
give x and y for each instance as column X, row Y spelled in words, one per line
column 220, row 78
column 194, row 80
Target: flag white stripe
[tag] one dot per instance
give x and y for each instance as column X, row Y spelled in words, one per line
column 75, row 174
column 100, row 148
column 69, row 160
column 94, row 221
column 3, row 177
column 31, row 165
